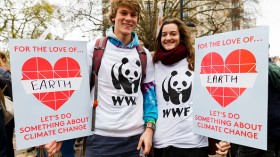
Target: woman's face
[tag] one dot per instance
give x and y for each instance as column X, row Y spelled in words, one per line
column 170, row 36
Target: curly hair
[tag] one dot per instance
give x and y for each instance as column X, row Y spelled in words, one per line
column 185, row 37
column 132, row 4
column 3, row 60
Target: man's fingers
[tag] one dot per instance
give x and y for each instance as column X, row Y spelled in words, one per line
column 146, row 150
column 139, row 144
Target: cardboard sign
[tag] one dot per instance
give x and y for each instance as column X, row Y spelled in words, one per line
column 230, row 91
column 51, row 91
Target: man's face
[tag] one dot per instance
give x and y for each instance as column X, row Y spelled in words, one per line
column 125, row 21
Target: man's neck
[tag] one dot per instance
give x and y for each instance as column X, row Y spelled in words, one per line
column 125, row 39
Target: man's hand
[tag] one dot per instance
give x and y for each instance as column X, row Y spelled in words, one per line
column 223, row 147
column 53, row 147
column 146, row 141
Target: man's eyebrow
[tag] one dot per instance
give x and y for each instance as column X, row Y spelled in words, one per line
column 170, row 32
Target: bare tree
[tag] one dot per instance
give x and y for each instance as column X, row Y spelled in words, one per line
column 209, row 16
column 85, row 15
column 24, row 20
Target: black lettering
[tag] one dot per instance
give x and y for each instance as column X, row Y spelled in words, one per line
column 214, row 78
column 118, row 100
column 69, row 83
column 130, row 99
column 208, row 80
column 234, row 79
column 226, row 77
column 51, row 84
column 177, row 111
column 33, row 85
column 43, row 84
column 220, row 79
column 186, row 109
column 166, row 113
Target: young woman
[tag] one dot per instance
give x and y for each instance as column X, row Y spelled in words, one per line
column 174, row 66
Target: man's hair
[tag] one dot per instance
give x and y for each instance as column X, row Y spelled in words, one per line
column 132, row 4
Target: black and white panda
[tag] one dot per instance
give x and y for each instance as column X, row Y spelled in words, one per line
column 129, row 76
column 179, row 87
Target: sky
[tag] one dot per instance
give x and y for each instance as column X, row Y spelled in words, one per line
column 270, row 16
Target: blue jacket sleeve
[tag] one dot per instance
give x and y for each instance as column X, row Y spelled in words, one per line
column 150, row 104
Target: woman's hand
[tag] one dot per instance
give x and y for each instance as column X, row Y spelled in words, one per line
column 53, row 147
column 223, row 147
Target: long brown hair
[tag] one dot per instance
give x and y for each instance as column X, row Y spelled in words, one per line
column 185, row 38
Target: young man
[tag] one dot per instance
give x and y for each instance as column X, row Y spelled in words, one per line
column 126, row 115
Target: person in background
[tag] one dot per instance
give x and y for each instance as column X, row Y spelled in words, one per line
column 4, row 61
column 273, row 128
column 3, row 136
column 121, row 129
column 174, row 66
column 5, row 76
column 6, row 86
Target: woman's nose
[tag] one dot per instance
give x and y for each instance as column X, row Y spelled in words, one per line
column 168, row 36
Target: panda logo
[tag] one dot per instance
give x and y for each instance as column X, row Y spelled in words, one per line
column 179, row 87
column 128, row 76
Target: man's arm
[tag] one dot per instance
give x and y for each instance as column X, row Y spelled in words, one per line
column 149, row 101
column 150, row 106
column 150, row 117
column 149, row 93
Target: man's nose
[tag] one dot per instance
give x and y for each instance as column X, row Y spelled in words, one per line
column 128, row 17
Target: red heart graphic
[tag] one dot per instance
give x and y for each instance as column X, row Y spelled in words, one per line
column 38, row 68
column 238, row 61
